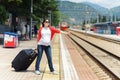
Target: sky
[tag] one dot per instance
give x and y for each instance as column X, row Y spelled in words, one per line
column 104, row 3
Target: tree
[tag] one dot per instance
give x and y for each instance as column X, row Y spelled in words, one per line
column 12, row 6
column 104, row 19
column 44, row 8
column 3, row 14
column 55, row 18
column 20, row 8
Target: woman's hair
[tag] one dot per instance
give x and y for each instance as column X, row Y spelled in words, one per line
column 44, row 20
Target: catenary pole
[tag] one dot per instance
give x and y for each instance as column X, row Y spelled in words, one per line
column 31, row 20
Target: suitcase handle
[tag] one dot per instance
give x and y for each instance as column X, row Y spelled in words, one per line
column 34, row 53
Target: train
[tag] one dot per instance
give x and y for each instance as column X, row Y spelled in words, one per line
column 105, row 28
column 64, row 25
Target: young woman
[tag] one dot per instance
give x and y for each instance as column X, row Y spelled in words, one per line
column 45, row 35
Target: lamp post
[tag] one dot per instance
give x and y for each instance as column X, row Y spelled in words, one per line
column 31, row 10
column 97, row 17
column 111, row 15
column 50, row 16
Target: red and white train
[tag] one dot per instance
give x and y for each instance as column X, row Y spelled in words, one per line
column 64, row 25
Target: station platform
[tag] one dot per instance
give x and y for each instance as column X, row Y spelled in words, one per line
column 59, row 58
column 8, row 54
column 62, row 62
column 111, row 36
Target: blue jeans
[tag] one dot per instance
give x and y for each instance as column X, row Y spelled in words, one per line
column 48, row 53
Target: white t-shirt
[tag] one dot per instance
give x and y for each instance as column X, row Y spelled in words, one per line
column 45, row 37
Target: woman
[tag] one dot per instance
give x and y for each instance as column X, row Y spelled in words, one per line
column 45, row 35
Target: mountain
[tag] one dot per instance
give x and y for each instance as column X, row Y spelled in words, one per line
column 79, row 12
column 116, row 11
column 98, row 8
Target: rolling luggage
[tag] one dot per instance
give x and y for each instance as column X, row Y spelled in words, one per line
column 24, row 59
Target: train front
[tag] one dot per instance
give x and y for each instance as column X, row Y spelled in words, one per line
column 64, row 26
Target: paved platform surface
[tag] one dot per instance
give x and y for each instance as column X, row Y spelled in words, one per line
column 8, row 54
column 61, row 59
column 111, row 36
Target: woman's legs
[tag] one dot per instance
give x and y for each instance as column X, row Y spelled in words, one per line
column 40, row 52
column 49, row 57
column 48, row 54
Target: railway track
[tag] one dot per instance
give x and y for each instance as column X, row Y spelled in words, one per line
column 107, row 58
column 98, row 36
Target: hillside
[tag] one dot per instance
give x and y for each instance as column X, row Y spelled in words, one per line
column 78, row 12
column 116, row 11
column 100, row 9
